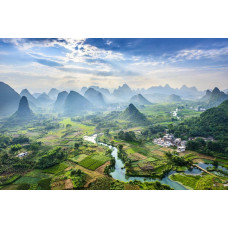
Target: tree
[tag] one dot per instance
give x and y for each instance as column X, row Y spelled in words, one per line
column 192, row 145
column 53, row 157
column 68, row 126
column 24, row 186
column 15, row 147
column 35, row 146
column 20, row 139
column 120, row 147
column 215, row 163
column 76, row 145
column 106, row 132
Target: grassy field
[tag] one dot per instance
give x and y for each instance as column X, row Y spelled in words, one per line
column 37, row 173
column 187, row 180
column 28, row 180
column 92, row 162
column 79, row 157
column 87, row 130
column 56, row 169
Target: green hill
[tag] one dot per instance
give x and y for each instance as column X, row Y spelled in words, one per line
column 132, row 114
column 216, row 117
column 213, row 122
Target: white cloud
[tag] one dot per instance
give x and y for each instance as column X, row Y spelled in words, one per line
column 196, row 54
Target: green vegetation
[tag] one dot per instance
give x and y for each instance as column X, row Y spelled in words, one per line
column 189, row 181
column 53, row 157
column 92, row 162
column 28, row 180
column 198, row 182
column 59, row 158
column 56, row 169
column 132, row 114
column 211, row 123
column 44, row 184
column 24, row 186
column 107, row 183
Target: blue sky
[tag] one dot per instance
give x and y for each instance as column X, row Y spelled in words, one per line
column 39, row 64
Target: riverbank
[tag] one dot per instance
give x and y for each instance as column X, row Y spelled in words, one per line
column 119, row 172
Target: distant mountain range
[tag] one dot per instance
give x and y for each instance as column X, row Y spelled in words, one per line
column 157, row 92
column 184, row 91
column 123, row 93
column 96, row 98
column 160, row 98
column 214, row 98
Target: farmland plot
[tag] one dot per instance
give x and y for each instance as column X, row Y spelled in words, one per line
column 92, row 162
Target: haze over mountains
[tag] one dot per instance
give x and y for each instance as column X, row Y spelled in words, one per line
column 139, row 99
column 75, row 103
column 53, row 93
column 215, row 97
column 31, row 99
column 60, row 101
column 23, row 111
column 94, row 98
column 9, row 99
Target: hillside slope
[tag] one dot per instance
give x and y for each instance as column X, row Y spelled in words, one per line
column 132, row 114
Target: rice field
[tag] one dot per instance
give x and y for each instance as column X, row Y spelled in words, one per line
column 79, row 157
column 56, row 168
column 92, row 162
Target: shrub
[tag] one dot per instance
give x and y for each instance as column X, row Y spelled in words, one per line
column 23, row 186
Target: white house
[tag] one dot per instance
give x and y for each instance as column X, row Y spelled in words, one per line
column 22, row 154
column 181, row 149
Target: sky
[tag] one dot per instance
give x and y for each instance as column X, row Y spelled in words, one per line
column 66, row 64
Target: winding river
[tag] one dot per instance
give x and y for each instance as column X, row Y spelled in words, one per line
column 119, row 172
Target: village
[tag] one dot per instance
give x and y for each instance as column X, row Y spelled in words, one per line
column 169, row 140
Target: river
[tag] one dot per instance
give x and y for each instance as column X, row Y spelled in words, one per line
column 119, row 172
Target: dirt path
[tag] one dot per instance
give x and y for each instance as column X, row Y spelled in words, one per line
column 89, row 182
column 102, row 167
column 68, row 184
